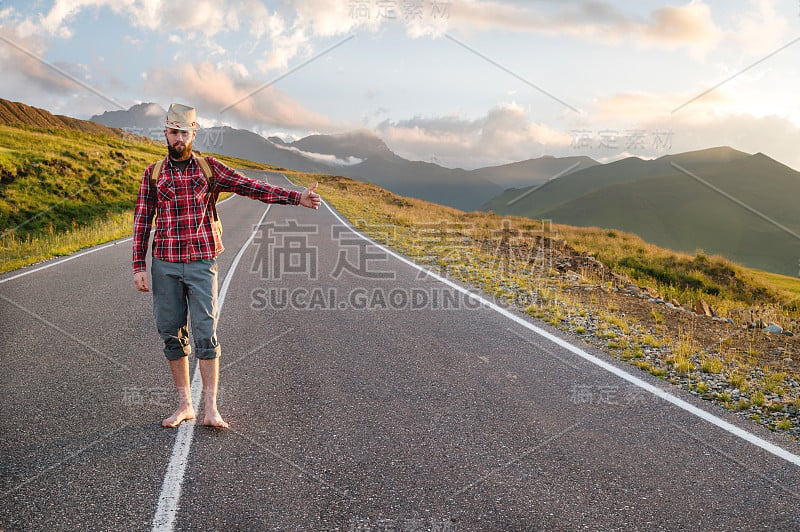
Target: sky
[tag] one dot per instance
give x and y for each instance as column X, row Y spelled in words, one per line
column 463, row 83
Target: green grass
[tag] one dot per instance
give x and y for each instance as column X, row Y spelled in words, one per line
column 62, row 179
column 63, row 190
column 772, row 383
column 685, row 277
column 18, row 252
column 758, row 398
column 712, row 365
column 682, row 364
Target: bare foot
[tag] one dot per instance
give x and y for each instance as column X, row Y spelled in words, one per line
column 181, row 414
column 213, row 419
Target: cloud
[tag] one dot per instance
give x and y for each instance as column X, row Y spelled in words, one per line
column 625, row 124
column 207, row 16
column 212, row 89
column 504, row 134
column 690, row 26
column 761, row 29
column 642, row 124
column 632, row 107
column 322, row 157
column 291, row 29
column 21, row 66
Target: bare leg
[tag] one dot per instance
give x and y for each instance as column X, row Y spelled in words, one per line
column 209, row 370
column 180, row 374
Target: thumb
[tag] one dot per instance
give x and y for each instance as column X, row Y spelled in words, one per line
column 312, row 187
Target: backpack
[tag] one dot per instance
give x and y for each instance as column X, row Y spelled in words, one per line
column 208, row 172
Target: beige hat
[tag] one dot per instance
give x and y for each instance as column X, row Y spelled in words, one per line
column 181, row 117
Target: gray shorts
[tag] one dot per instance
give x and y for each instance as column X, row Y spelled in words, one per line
column 182, row 289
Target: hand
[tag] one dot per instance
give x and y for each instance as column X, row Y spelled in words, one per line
column 140, row 280
column 310, row 199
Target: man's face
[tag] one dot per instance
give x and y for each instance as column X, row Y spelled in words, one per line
column 179, row 143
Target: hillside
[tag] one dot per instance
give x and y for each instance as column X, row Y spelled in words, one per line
column 19, row 114
column 669, row 207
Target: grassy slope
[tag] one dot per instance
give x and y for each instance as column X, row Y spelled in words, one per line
column 61, row 190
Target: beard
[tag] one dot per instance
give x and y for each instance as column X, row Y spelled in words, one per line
column 179, row 150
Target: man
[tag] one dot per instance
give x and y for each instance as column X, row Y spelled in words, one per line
column 186, row 243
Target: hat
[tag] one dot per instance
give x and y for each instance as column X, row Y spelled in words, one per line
column 181, row 117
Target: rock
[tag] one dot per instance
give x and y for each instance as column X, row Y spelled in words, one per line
column 773, row 328
column 633, row 289
column 702, row 308
column 742, row 315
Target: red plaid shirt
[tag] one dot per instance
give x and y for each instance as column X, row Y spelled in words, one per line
column 184, row 230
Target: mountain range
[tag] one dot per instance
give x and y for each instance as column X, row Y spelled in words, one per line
column 720, row 200
column 357, row 154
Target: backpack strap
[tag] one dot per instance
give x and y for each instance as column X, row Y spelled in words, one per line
column 209, row 173
column 206, row 168
column 155, row 172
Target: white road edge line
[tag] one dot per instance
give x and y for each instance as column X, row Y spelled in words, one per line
column 78, row 255
column 62, row 261
column 636, row 381
column 167, row 510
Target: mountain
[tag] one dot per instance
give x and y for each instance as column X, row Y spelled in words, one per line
column 248, row 145
column 357, row 144
column 379, row 165
column 146, row 119
column 529, row 200
column 534, row 171
column 720, row 200
column 20, row 114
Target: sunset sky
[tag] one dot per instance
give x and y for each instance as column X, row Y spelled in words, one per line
column 463, row 83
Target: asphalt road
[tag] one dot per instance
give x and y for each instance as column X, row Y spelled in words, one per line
column 362, row 395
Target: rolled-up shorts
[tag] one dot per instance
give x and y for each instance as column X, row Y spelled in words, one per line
column 180, row 290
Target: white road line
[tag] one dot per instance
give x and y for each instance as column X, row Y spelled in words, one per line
column 167, row 510
column 636, row 381
column 78, row 255
column 62, row 261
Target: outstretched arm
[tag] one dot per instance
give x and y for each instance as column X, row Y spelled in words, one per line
column 309, row 198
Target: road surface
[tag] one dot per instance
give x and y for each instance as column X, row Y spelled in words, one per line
column 362, row 395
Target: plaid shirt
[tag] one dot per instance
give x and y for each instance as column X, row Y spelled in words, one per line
column 184, row 228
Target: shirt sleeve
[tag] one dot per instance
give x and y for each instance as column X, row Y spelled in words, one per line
column 143, row 221
column 227, row 179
